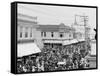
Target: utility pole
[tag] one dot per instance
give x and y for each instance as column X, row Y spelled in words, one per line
column 85, row 20
column 75, row 20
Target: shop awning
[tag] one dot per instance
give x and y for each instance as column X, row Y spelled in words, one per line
column 53, row 41
column 27, row 49
column 64, row 42
column 68, row 42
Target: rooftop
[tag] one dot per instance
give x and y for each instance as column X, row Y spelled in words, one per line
column 55, row 28
column 26, row 18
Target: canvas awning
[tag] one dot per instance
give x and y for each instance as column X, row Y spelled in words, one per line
column 53, row 41
column 27, row 49
column 68, row 42
column 64, row 42
column 80, row 40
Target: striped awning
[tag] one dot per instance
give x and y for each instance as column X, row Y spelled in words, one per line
column 27, row 49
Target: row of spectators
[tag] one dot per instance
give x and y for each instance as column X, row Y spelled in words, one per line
column 56, row 58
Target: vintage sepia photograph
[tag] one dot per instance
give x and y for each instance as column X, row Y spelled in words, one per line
column 54, row 38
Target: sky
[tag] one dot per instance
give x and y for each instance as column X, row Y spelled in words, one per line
column 47, row 14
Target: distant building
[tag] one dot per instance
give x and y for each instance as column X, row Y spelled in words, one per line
column 30, row 31
column 55, row 34
column 26, row 35
column 93, row 47
column 81, row 31
column 26, row 27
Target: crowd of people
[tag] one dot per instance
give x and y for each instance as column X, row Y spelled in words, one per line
column 56, row 58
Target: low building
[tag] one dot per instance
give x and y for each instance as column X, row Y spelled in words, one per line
column 25, row 29
column 93, row 47
column 55, row 34
column 27, row 35
column 29, row 31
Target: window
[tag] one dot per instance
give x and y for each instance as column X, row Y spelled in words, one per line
column 69, row 35
column 80, row 35
column 44, row 34
column 52, row 35
column 31, row 32
column 21, row 29
column 20, row 34
column 26, row 32
column 41, row 34
column 61, row 35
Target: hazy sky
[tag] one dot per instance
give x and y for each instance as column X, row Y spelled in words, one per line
column 47, row 14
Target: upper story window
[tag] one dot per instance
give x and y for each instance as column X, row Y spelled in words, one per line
column 52, row 34
column 61, row 34
column 26, row 32
column 31, row 32
column 41, row 34
column 69, row 35
column 21, row 32
column 44, row 34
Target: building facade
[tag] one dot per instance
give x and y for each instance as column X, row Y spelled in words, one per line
column 26, row 28
column 55, row 34
column 30, row 31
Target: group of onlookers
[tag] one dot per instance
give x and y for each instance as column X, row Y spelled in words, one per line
column 57, row 58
